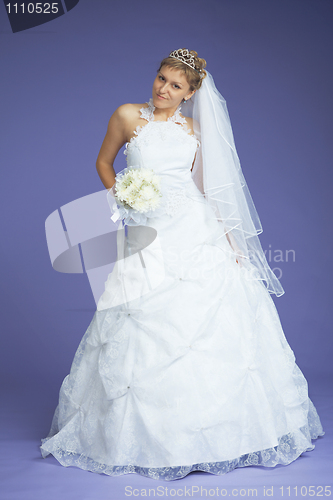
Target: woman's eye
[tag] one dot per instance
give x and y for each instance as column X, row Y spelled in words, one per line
column 177, row 86
column 161, row 77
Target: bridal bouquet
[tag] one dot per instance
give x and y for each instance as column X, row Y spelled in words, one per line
column 137, row 194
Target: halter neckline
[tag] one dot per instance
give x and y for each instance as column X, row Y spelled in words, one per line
column 148, row 114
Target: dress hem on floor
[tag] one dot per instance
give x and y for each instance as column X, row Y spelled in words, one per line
column 290, row 447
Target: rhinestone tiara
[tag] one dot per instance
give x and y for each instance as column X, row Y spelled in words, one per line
column 184, row 56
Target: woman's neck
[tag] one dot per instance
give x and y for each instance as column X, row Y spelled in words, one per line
column 163, row 114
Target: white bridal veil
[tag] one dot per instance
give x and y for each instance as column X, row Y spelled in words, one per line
column 218, row 175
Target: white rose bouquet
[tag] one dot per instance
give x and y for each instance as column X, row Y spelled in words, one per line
column 137, row 194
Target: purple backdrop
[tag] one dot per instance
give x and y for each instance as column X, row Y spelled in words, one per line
column 271, row 60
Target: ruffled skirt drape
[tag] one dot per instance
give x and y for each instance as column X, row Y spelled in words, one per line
column 196, row 374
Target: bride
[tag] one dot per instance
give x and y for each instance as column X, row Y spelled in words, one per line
column 185, row 365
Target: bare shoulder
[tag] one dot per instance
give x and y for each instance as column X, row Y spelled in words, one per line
column 126, row 118
column 128, row 112
column 191, row 124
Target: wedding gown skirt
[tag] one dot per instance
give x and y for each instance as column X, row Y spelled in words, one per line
column 191, row 373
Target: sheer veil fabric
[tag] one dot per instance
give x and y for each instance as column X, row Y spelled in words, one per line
column 218, row 175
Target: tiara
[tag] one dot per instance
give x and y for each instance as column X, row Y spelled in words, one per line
column 184, row 56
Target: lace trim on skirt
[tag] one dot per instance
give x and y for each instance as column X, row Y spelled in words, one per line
column 290, row 447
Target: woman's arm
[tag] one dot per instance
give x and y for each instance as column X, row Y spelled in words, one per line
column 193, row 161
column 114, row 139
column 190, row 124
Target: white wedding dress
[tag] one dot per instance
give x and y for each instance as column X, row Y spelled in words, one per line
column 190, row 372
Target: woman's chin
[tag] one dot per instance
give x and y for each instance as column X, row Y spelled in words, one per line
column 160, row 102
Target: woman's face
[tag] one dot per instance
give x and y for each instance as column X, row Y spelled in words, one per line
column 170, row 88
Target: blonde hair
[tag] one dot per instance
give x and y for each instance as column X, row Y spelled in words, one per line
column 195, row 76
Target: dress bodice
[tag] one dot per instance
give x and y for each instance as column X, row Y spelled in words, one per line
column 167, row 147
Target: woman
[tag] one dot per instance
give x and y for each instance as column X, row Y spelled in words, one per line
column 184, row 365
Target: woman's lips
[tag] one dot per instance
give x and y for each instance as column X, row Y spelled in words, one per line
column 160, row 97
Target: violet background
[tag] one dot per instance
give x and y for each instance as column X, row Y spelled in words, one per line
column 60, row 83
